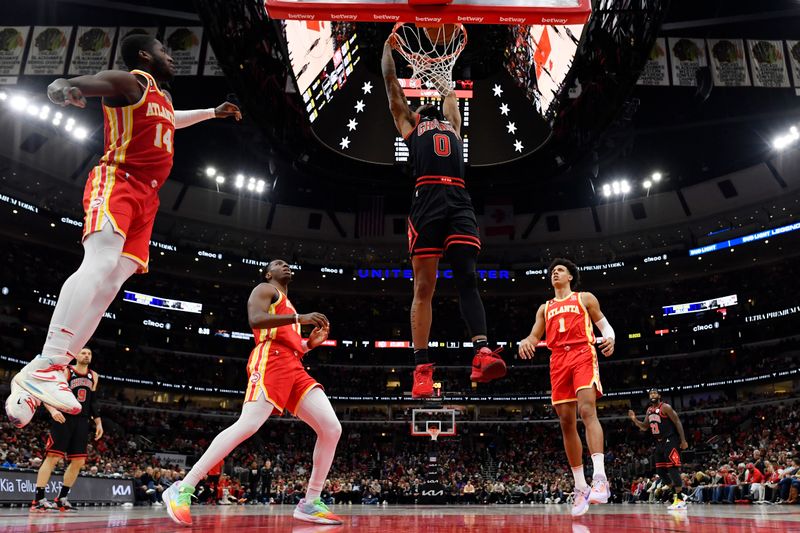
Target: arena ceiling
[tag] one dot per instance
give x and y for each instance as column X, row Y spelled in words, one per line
column 688, row 134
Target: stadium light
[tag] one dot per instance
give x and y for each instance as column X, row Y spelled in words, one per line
column 615, row 187
column 656, row 177
column 782, row 141
column 80, row 133
column 220, row 179
column 239, row 181
column 606, row 190
column 44, row 112
column 70, row 125
column 3, row 95
column 33, row 110
column 647, row 184
column 211, row 172
column 56, row 121
column 625, row 187
column 251, row 186
column 18, row 103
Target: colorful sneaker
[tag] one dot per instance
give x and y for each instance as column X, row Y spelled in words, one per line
column 42, row 506
column 580, row 502
column 64, row 505
column 316, row 512
column 178, row 501
column 487, row 365
column 20, row 406
column 678, row 505
column 423, row 381
column 49, row 386
column 601, row 492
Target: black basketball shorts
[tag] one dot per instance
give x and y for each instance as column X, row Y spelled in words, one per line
column 667, row 453
column 69, row 439
column 441, row 216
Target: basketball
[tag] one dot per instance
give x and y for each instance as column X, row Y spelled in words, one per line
column 441, row 35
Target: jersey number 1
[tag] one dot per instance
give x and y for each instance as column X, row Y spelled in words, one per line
column 163, row 139
column 562, row 327
column 441, row 144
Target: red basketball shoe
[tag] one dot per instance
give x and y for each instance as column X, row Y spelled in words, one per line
column 487, row 365
column 423, row 381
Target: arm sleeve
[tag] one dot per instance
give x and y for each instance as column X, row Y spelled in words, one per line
column 605, row 328
column 190, row 117
column 93, row 410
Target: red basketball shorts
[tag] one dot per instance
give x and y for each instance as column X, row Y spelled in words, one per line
column 278, row 372
column 573, row 368
column 129, row 203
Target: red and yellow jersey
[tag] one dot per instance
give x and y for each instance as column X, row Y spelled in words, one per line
column 567, row 323
column 287, row 336
column 138, row 137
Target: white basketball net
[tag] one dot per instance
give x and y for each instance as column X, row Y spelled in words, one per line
column 433, row 431
column 431, row 52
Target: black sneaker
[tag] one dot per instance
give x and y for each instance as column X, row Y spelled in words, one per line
column 42, row 506
column 64, row 505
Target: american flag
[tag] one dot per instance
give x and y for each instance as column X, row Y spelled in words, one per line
column 370, row 216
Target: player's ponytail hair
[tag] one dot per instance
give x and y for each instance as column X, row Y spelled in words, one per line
column 571, row 267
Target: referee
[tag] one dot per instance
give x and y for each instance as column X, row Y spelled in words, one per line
column 69, row 435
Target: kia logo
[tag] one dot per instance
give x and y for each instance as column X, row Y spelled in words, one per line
column 121, row 490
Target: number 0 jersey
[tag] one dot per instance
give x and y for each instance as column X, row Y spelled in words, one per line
column 435, row 149
column 567, row 323
column 138, row 137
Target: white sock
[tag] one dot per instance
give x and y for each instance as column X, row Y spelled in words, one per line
column 599, row 466
column 253, row 416
column 83, row 298
column 316, row 411
column 580, row 479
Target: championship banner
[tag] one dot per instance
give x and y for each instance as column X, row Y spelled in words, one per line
column 728, row 66
column 656, row 70
column 183, row 45
column 794, row 60
column 211, row 65
column 123, row 32
column 686, row 56
column 20, row 487
column 92, row 50
column 48, row 51
column 768, row 63
column 12, row 46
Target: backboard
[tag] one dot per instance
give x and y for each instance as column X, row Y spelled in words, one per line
column 510, row 12
column 433, row 423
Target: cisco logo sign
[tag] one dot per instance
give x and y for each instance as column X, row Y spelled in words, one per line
column 154, row 324
column 705, row 327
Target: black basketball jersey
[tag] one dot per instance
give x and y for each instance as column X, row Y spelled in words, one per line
column 435, row 149
column 81, row 386
column 661, row 425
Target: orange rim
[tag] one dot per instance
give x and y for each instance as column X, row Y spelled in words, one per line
column 402, row 43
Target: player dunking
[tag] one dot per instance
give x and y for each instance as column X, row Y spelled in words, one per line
column 566, row 323
column 663, row 423
column 277, row 381
column 442, row 222
column 120, row 202
column 69, row 434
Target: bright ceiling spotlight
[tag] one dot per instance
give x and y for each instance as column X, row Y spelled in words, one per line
column 211, row 172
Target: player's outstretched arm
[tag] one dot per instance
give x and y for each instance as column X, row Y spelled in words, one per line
column 670, row 412
column 451, row 112
column 593, row 307
column 115, row 84
column 527, row 347
column 404, row 118
column 638, row 423
column 186, row 118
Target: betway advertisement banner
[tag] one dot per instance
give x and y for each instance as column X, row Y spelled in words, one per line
column 16, row 486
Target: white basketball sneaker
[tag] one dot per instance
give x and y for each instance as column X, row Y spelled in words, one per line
column 601, row 492
column 49, row 386
column 20, row 406
column 580, row 502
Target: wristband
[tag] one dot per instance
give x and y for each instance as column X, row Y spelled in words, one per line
column 296, row 318
column 304, row 344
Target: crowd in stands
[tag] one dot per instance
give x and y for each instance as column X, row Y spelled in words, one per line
column 747, row 453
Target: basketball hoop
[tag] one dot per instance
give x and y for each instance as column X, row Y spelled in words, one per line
column 431, row 51
column 433, row 431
